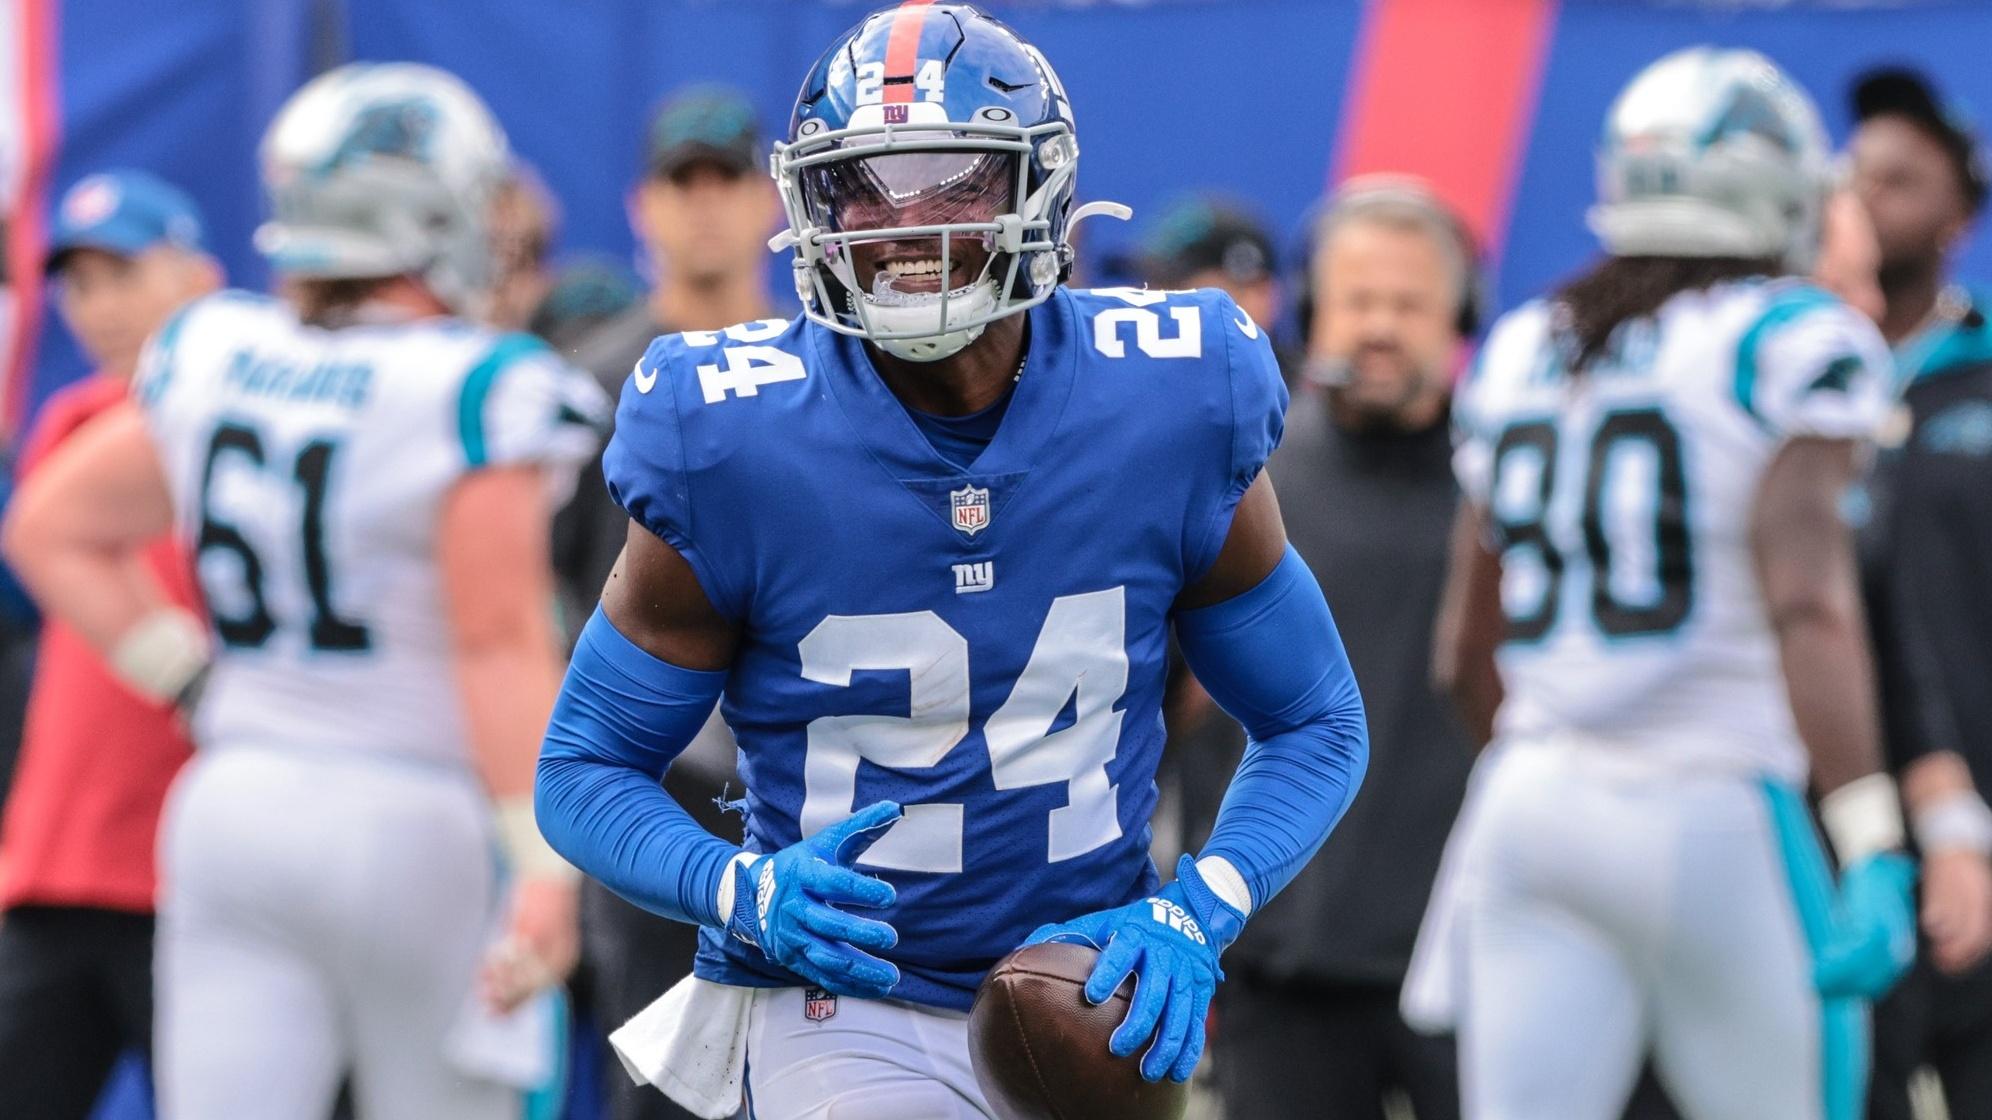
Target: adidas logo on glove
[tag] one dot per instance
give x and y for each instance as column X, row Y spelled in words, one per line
column 1176, row 918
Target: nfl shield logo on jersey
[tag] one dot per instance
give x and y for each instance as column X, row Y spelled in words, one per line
column 971, row 508
column 818, row 1005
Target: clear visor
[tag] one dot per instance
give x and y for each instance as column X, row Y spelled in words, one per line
column 895, row 190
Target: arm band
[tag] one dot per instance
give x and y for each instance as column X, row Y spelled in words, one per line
column 1862, row 818
column 1272, row 659
column 1958, row 821
column 622, row 716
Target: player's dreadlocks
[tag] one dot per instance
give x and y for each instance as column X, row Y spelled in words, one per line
column 1617, row 290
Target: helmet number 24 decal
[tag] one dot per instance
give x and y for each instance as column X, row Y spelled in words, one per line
column 929, row 79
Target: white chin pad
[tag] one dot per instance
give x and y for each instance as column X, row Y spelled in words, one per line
column 912, row 324
column 931, row 349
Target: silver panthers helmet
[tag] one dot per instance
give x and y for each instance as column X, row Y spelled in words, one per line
column 1712, row 153
column 384, row 169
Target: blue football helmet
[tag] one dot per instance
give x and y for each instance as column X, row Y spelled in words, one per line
column 932, row 148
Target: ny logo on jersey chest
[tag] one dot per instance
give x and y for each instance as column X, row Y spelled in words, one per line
column 970, row 506
column 980, row 576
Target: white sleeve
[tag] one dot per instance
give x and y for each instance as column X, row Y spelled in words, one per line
column 1812, row 366
column 161, row 384
column 1515, row 340
column 1473, row 449
column 522, row 404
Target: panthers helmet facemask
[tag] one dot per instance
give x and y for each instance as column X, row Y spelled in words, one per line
column 964, row 166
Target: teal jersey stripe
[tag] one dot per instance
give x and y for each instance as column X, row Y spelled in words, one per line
column 1843, row 1025
column 1964, row 342
column 161, row 374
column 1786, row 306
column 477, row 389
column 548, row 1100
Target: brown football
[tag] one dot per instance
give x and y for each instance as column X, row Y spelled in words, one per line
column 1040, row 1050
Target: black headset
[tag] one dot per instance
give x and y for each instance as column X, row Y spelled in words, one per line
column 1405, row 192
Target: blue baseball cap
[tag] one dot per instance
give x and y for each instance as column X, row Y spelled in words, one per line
column 123, row 212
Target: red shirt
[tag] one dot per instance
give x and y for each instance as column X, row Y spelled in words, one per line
column 96, row 759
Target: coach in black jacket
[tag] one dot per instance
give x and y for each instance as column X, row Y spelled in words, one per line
column 1308, row 1023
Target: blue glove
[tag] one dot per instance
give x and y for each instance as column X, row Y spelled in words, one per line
column 1170, row 941
column 1873, row 937
column 785, row 905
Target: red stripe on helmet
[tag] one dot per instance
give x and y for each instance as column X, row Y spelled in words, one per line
column 902, row 50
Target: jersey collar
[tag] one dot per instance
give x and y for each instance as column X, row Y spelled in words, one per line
column 882, row 424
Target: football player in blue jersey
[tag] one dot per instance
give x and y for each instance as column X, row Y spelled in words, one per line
column 925, row 544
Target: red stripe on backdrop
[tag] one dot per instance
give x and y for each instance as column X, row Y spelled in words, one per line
column 1445, row 90
column 902, row 50
column 28, row 236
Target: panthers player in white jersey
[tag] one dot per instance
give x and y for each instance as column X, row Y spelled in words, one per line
column 1653, row 459
column 366, row 482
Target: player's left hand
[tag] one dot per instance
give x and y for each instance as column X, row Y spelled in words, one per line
column 1873, row 939
column 541, row 944
column 1170, row 942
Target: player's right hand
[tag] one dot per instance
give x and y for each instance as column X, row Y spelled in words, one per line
column 1957, row 908
column 1873, row 937
column 541, row 945
column 786, row 905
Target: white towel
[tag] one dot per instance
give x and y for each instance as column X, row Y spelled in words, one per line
column 519, row 1049
column 691, row 1042
column 1429, row 1000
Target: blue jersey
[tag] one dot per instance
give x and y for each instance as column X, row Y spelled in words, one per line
column 985, row 646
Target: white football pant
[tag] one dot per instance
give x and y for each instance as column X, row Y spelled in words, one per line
column 320, row 915
column 858, row 1059
column 1610, row 908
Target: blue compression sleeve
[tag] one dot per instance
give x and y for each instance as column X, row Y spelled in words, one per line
column 622, row 716
column 1272, row 659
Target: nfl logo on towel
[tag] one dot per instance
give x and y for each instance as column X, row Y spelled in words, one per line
column 818, row 1005
column 971, row 508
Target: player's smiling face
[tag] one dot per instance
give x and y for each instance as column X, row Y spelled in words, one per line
column 912, row 189
column 913, row 266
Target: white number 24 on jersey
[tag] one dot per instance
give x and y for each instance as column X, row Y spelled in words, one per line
column 1082, row 650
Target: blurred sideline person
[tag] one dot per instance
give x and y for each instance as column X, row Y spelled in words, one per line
column 1309, row 1022
column 585, row 294
column 1203, row 241
column 1917, row 170
column 524, row 219
column 20, row 622
column 76, row 845
column 703, row 212
column 1654, row 459
column 365, row 480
